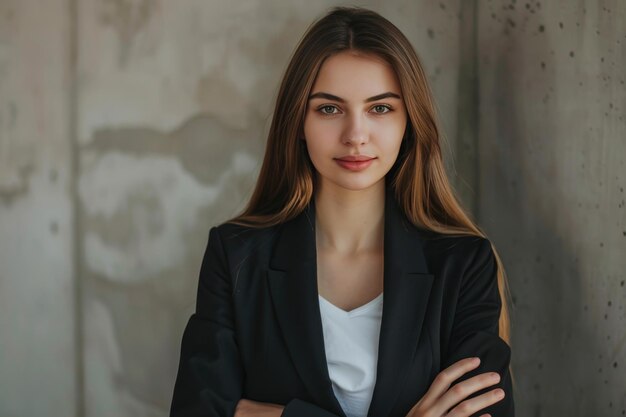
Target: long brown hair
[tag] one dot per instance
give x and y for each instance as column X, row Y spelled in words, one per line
column 287, row 179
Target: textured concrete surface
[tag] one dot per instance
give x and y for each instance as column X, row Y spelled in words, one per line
column 38, row 345
column 129, row 127
column 552, row 136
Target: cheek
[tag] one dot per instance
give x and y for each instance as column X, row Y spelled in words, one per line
column 314, row 149
column 316, row 145
column 318, row 129
column 321, row 138
column 391, row 138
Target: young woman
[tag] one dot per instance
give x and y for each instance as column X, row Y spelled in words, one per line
column 352, row 205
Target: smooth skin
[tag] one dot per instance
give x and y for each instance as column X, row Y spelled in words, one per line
column 349, row 112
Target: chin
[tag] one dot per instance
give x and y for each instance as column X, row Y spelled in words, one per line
column 355, row 184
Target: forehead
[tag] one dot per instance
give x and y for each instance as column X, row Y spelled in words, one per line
column 356, row 77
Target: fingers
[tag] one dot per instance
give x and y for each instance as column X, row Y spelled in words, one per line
column 469, row 407
column 441, row 397
column 444, row 379
column 463, row 389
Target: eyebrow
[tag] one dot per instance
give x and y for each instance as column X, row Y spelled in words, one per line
column 341, row 100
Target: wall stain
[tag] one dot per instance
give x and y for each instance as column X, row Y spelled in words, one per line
column 152, row 304
column 128, row 18
column 14, row 183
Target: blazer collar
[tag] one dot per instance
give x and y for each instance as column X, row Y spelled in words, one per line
column 292, row 278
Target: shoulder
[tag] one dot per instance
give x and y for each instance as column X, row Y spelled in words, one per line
column 459, row 253
column 461, row 245
column 232, row 233
column 240, row 242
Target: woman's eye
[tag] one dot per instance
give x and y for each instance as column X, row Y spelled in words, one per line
column 382, row 109
column 378, row 109
column 327, row 107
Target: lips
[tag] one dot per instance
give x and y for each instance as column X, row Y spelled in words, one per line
column 355, row 158
column 355, row 162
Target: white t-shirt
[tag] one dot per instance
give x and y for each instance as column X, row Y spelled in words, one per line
column 351, row 344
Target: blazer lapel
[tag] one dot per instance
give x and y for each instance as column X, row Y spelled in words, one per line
column 292, row 279
column 407, row 285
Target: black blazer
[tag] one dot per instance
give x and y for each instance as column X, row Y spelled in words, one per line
column 257, row 331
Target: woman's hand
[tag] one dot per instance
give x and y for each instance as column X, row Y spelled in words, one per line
column 439, row 399
column 249, row 408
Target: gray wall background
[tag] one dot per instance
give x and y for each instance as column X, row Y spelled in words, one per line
column 123, row 122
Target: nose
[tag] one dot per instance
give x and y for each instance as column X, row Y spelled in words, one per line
column 356, row 132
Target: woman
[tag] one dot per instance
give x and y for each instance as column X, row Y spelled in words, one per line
column 352, row 205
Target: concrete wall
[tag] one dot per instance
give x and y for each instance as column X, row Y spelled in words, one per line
column 123, row 123
column 39, row 348
column 552, row 158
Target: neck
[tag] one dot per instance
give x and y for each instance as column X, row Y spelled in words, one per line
column 350, row 222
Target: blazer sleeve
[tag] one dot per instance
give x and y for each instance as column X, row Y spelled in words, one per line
column 475, row 329
column 210, row 373
column 300, row 408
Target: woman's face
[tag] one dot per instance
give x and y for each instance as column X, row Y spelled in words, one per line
column 355, row 109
